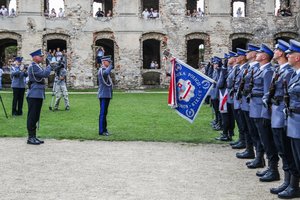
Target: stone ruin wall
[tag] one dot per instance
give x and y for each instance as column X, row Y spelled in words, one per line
column 128, row 30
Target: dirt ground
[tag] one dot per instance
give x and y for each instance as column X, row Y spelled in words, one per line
column 74, row 170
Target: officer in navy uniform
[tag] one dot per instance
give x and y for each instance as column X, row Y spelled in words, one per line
column 253, row 132
column 18, row 75
column 224, row 107
column 293, row 125
column 214, row 93
column 104, row 92
column 274, row 101
column 262, row 115
column 242, row 107
column 35, row 94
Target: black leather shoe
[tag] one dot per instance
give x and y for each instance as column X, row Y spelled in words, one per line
column 247, row 154
column 272, row 175
column 40, row 141
column 33, row 141
column 221, row 136
column 263, row 172
column 239, row 145
column 284, row 185
column 226, row 138
column 249, row 162
column 289, row 193
column 234, row 143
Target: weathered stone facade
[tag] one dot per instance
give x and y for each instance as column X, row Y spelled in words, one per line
column 128, row 30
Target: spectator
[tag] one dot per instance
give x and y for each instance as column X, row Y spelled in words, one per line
column 152, row 65
column 239, row 12
column 61, row 13
column 49, row 55
column 109, row 13
column 156, row 66
column 3, row 11
column 200, row 13
column 12, row 13
column 155, row 14
column 284, row 11
column 58, row 54
column 145, row 13
column 46, row 13
column 99, row 13
column 100, row 54
column 195, row 13
column 53, row 13
column 188, row 13
column 151, row 13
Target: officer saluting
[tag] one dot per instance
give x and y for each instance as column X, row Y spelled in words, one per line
column 18, row 74
column 35, row 94
column 104, row 92
column 293, row 125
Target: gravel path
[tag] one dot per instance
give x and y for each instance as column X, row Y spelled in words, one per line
column 74, row 170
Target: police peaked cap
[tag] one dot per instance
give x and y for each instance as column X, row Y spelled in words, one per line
column 252, row 47
column 265, row 49
column 37, row 53
column 241, row 52
column 294, row 47
column 19, row 59
column 282, row 45
column 232, row 54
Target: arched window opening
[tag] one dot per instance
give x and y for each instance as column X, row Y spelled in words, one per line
column 195, row 8
column 54, row 8
column 150, row 9
column 102, row 8
column 286, row 39
column 239, row 43
column 108, row 47
column 238, row 8
column 282, row 8
column 151, row 54
column 8, row 51
column 195, row 52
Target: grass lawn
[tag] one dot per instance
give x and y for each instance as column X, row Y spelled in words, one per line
column 131, row 117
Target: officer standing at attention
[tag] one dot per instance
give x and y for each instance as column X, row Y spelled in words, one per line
column 274, row 100
column 293, row 125
column 253, row 68
column 104, row 92
column 261, row 115
column 35, row 94
column 18, row 75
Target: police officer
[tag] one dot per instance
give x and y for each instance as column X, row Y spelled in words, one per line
column 18, row 74
column 60, row 85
column 242, row 107
column 214, row 94
column 293, row 125
column 253, row 132
column 224, row 107
column 274, row 101
column 261, row 115
column 104, row 92
column 35, row 94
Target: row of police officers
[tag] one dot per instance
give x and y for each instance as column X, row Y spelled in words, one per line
column 264, row 101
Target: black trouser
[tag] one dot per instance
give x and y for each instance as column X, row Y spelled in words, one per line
column 266, row 136
column 33, row 116
column 246, row 119
column 18, row 98
column 295, row 143
column 228, row 121
column 241, row 124
column 104, row 103
column 284, row 149
column 215, row 105
column 255, row 136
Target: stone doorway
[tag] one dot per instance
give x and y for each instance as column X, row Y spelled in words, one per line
column 195, row 52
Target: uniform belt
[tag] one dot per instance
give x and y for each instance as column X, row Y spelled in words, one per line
column 294, row 110
column 257, row 95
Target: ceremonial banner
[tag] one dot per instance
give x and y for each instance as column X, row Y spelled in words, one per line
column 188, row 89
